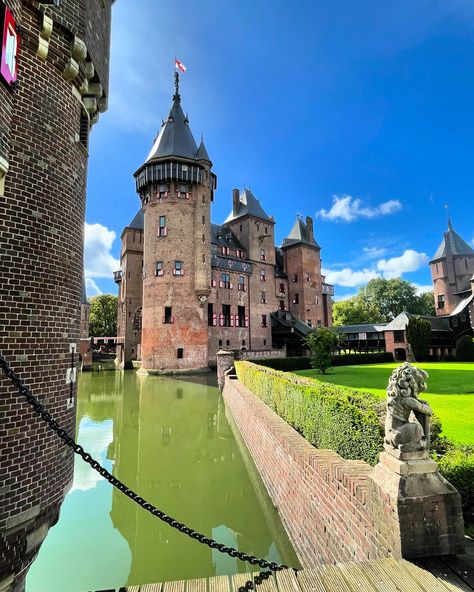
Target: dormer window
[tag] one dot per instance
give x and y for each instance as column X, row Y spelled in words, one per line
column 183, row 191
column 163, row 192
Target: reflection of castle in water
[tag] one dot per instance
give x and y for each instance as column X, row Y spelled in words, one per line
column 172, row 445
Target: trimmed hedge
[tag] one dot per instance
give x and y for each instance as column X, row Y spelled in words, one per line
column 465, row 349
column 357, row 359
column 304, row 362
column 328, row 416
column 457, row 466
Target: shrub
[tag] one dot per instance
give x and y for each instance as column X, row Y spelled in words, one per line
column 356, row 359
column 327, row 416
column 457, row 466
column 321, row 342
column 465, row 349
column 418, row 333
column 286, row 364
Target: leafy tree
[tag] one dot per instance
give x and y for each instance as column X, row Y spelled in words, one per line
column 465, row 349
column 321, row 342
column 419, row 336
column 426, row 304
column 353, row 312
column 103, row 316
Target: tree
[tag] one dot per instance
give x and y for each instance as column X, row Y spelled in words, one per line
column 418, row 333
column 465, row 349
column 321, row 342
column 103, row 316
column 426, row 304
column 353, row 312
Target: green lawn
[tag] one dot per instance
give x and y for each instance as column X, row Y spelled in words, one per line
column 450, row 390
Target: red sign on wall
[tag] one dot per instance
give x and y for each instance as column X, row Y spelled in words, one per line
column 10, row 45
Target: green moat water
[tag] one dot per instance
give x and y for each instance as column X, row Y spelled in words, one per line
column 170, row 441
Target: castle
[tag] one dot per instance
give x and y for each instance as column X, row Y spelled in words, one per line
column 188, row 287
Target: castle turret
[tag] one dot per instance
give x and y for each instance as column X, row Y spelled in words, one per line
column 176, row 186
column 451, row 270
column 309, row 296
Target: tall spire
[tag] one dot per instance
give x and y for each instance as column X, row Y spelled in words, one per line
column 176, row 96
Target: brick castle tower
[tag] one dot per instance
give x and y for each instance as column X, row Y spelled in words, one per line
column 452, row 269
column 176, row 187
column 53, row 84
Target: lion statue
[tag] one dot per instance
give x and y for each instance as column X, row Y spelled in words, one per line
column 401, row 431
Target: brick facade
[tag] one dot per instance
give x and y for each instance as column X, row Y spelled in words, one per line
column 41, row 233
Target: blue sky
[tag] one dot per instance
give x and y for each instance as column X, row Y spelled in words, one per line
column 359, row 114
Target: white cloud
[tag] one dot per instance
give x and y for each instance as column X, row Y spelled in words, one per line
column 423, row 289
column 98, row 260
column 348, row 208
column 410, row 261
column 92, row 289
column 374, row 252
column 348, row 277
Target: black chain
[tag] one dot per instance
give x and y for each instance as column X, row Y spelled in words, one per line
column 78, row 449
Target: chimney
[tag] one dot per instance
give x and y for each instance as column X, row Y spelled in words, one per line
column 235, row 201
column 309, row 226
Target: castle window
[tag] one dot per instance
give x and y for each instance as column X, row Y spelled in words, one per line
column 264, row 342
column 316, row 300
column 203, row 199
column 225, row 316
column 441, row 301
column 282, row 289
column 183, row 191
column 211, row 317
column 180, row 353
column 308, row 322
column 243, row 342
column 241, row 316
column 264, row 320
column 225, row 250
column 227, row 342
column 168, row 318
column 282, row 305
column 240, row 254
column 203, row 220
column 178, row 268
column 399, row 336
column 163, row 191
column 240, row 227
column 320, row 324
column 258, row 226
column 263, row 277
column 266, row 229
column 308, row 279
column 263, row 297
column 295, row 277
column 296, row 298
column 162, row 230
column 465, row 263
column 225, row 281
column 159, row 268
column 220, row 342
column 263, row 257
column 241, row 284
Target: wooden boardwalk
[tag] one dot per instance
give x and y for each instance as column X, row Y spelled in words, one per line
column 450, row 574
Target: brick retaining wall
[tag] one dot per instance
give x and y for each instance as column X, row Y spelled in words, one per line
column 321, row 498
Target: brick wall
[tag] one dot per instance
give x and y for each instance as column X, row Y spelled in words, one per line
column 321, row 498
column 41, row 270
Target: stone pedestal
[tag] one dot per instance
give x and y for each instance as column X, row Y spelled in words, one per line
column 414, row 509
column 225, row 361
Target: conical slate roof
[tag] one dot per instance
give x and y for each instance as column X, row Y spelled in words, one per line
column 453, row 242
column 202, row 152
column 300, row 234
column 248, row 206
column 138, row 221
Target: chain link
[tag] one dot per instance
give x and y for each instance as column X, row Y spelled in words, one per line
column 79, row 450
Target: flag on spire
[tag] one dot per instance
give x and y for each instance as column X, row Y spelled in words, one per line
column 180, row 65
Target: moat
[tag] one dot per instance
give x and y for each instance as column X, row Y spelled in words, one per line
column 170, row 441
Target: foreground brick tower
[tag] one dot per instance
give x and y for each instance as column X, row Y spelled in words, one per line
column 176, row 187
column 53, row 84
column 452, row 268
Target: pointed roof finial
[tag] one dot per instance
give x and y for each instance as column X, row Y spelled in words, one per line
column 176, row 96
column 450, row 226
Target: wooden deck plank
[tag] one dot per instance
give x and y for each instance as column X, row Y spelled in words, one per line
column 310, row 579
column 334, row 580
column 446, row 575
column 355, row 577
column 269, row 585
column 426, row 580
column 403, row 579
column 178, row 586
column 287, row 581
column 460, row 568
column 240, row 580
column 196, row 585
column 378, row 577
column 132, row 589
column 151, row 588
column 219, row 584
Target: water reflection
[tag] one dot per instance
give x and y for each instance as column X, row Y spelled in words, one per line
column 170, row 441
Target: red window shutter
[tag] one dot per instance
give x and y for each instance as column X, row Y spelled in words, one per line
column 214, row 320
column 221, row 320
column 232, row 320
column 165, row 231
column 221, row 284
column 246, row 321
column 236, row 321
